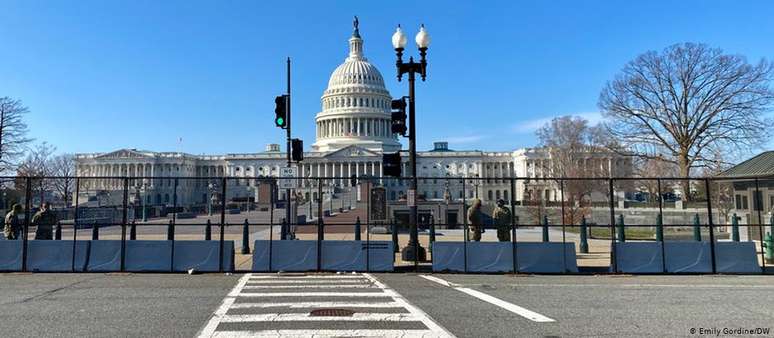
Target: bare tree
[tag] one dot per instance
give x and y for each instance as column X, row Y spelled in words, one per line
column 33, row 169
column 13, row 132
column 688, row 102
column 575, row 150
column 63, row 167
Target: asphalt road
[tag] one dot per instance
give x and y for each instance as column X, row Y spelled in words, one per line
column 153, row 305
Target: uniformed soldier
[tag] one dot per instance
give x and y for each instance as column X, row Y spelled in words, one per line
column 13, row 226
column 502, row 219
column 475, row 220
column 44, row 220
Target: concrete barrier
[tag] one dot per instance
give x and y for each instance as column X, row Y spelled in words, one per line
column 546, row 257
column 687, row 257
column 448, row 256
column 531, row 257
column 104, row 256
column 481, row 256
column 148, row 256
column 56, row 256
column 351, row 256
column 10, row 255
column 490, row 257
column 285, row 256
column 639, row 257
column 203, row 256
column 736, row 257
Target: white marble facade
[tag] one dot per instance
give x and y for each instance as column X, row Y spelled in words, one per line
column 352, row 132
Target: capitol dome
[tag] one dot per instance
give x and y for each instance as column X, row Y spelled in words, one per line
column 355, row 106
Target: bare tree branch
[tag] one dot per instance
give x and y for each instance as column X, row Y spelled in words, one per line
column 688, row 101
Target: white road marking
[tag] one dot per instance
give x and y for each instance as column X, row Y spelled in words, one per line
column 314, row 294
column 318, row 305
column 531, row 315
column 268, row 287
column 338, row 286
column 294, row 317
column 429, row 322
column 310, row 281
column 212, row 324
column 330, row 333
column 307, row 277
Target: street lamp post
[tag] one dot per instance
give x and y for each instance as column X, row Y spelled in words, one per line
column 413, row 251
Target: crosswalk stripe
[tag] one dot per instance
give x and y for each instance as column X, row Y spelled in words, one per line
column 339, row 286
column 289, row 317
column 290, row 277
column 331, row 333
column 318, row 305
column 311, row 281
column 313, row 294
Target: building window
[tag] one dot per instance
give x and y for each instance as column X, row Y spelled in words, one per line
column 489, row 194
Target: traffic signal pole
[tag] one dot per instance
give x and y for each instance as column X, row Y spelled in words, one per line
column 286, row 225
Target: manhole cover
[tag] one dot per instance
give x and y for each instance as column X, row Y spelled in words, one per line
column 331, row 313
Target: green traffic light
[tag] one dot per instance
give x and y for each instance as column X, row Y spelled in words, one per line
column 280, row 121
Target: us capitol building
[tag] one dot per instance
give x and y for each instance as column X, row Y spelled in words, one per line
column 352, row 132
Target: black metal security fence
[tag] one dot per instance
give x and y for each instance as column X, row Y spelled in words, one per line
column 552, row 225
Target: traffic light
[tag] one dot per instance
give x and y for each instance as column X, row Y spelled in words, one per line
column 297, row 149
column 281, row 111
column 399, row 116
column 391, row 165
column 353, row 180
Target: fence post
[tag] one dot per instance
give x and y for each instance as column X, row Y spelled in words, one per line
column 58, row 231
column 133, row 231
column 208, row 231
column 123, row 222
column 735, row 228
column 75, row 220
column 711, row 225
column 696, row 228
column 514, row 222
column 395, row 236
column 611, row 199
column 171, row 231
column 222, row 223
column 431, row 238
column 27, row 206
column 545, row 228
column 659, row 228
column 621, row 228
column 246, row 238
column 357, row 228
column 95, row 232
column 584, row 241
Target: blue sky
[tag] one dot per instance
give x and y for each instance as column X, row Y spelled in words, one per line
column 103, row 75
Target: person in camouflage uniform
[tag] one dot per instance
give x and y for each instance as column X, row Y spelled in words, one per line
column 13, row 226
column 502, row 219
column 44, row 220
column 475, row 220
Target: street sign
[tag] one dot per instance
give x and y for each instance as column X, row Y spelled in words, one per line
column 411, row 198
column 288, row 178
